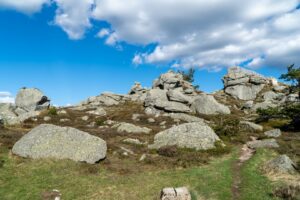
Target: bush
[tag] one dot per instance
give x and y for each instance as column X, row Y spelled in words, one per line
column 226, row 127
column 100, row 122
column 291, row 192
column 288, row 112
column 52, row 111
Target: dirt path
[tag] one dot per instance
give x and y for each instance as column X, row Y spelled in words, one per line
column 245, row 154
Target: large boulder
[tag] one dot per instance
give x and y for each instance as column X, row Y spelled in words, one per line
column 50, row 141
column 179, row 96
column 190, row 135
column 244, row 92
column 250, row 126
column 207, row 104
column 281, row 164
column 32, row 99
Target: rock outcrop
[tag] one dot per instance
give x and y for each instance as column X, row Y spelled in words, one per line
column 190, row 135
column 29, row 102
column 50, row 141
column 273, row 133
column 243, row 84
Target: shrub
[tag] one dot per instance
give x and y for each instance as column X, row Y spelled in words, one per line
column 100, row 122
column 52, row 111
column 227, row 127
column 291, row 192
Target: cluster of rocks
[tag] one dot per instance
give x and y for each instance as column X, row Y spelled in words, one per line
column 171, row 93
column 256, row 90
column 29, row 102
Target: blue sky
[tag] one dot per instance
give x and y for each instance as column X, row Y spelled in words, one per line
column 70, row 62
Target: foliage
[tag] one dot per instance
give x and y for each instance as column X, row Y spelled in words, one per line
column 226, row 127
column 293, row 75
column 189, row 76
column 289, row 111
column 52, row 111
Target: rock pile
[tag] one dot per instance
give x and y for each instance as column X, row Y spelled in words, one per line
column 29, row 102
column 171, row 93
column 243, row 84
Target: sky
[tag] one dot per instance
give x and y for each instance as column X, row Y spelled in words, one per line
column 73, row 49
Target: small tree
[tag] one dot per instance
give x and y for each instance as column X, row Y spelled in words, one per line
column 293, row 75
column 189, row 76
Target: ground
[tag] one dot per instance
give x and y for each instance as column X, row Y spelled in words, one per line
column 208, row 175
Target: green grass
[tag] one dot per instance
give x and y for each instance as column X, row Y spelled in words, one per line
column 255, row 186
column 28, row 179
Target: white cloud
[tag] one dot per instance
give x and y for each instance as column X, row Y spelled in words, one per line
column 6, row 97
column 26, row 6
column 190, row 33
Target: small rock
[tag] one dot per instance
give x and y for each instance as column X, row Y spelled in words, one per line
column 91, row 125
column 133, row 141
column 151, row 120
column 47, row 118
column 273, row 133
column 181, row 193
column 251, row 126
column 127, row 151
column 53, row 195
column 281, row 164
column 131, row 128
column 62, row 112
column 267, row 143
column 135, row 117
column 163, row 123
column 85, row 118
column 64, row 120
column 99, row 112
column 143, row 157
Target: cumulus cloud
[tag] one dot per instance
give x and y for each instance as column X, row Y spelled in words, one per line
column 6, row 97
column 27, row 6
column 192, row 33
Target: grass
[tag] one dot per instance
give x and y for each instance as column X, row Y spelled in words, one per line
column 28, row 179
column 255, row 186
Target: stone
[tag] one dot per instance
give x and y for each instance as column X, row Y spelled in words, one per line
column 281, row 164
column 64, row 120
column 85, row 118
column 133, row 141
column 267, row 143
column 99, row 112
column 143, row 157
column 207, row 104
column 32, row 99
column 264, row 105
column 244, row 92
column 47, row 118
column 131, row 128
column 62, row 112
column 135, row 117
column 184, row 117
column 155, row 95
column 291, row 98
column 137, row 89
column 50, row 141
column 272, row 96
column 151, row 120
column 251, row 126
column 279, row 88
column 190, row 135
column 181, row 193
column 176, row 95
column 171, row 106
column 248, row 105
column 273, row 133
